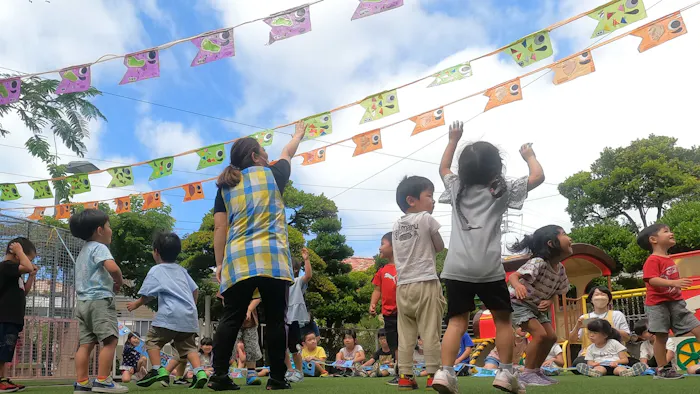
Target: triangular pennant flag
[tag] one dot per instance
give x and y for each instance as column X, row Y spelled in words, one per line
column 503, row 94
column 317, row 126
column 264, row 137
column 161, row 167
column 62, row 211
column 9, row 192
column 74, row 79
column 38, row 213
column 313, row 157
column 193, row 191
column 620, row 12
column 456, row 73
column 660, row 31
column 140, row 66
column 211, row 155
column 121, row 176
column 91, row 205
column 371, row 7
column 151, row 200
column 573, row 67
column 289, row 23
column 540, row 48
column 386, row 103
column 428, row 120
column 367, row 142
column 215, row 46
column 10, row 90
column 123, row 204
column 79, row 183
column 41, row 189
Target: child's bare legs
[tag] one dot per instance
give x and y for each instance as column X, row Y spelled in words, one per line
column 543, row 338
column 617, row 371
column 504, row 337
column 602, row 370
column 126, row 376
column 82, row 358
column 288, row 361
column 660, row 348
column 693, row 369
column 141, row 365
column 456, row 327
column 298, row 362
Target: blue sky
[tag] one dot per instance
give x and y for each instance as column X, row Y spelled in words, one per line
column 336, row 63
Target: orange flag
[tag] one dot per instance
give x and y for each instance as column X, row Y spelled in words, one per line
column 573, row 67
column 37, row 214
column 313, row 157
column 428, row 120
column 90, row 205
column 659, row 31
column 123, row 204
column 193, row 191
column 367, row 142
column 151, row 200
column 504, row 94
column 62, row 211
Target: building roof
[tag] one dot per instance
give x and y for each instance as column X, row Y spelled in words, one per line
column 360, row 263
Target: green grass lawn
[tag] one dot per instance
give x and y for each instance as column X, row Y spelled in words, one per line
column 568, row 384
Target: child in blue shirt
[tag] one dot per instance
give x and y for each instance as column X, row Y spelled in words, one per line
column 465, row 349
column 176, row 319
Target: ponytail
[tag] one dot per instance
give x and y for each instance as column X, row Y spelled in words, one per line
column 230, row 177
column 241, row 158
column 543, row 243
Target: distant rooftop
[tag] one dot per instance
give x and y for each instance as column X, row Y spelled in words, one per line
column 360, row 263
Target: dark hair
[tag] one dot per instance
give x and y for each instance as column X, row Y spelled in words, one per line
column 296, row 264
column 84, row 224
column 131, row 335
column 479, row 164
column 641, row 326
column 603, row 326
column 387, row 237
column 27, row 245
column 645, row 234
column 167, row 245
column 411, row 186
column 350, row 333
column 381, row 333
column 241, row 158
column 538, row 242
column 204, row 342
column 602, row 290
column 309, row 333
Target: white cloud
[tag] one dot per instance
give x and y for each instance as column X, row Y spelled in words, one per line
column 166, row 138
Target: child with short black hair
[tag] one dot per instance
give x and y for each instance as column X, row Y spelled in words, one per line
column 13, row 291
column 97, row 279
column 664, row 306
column 606, row 355
column 646, row 347
column 133, row 362
column 176, row 319
column 419, row 295
column 382, row 362
column 311, row 352
column 385, row 290
column 350, row 352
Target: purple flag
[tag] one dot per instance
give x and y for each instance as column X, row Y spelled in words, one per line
column 10, row 90
column 289, row 23
column 213, row 47
column 140, row 66
column 74, row 79
column 371, row 7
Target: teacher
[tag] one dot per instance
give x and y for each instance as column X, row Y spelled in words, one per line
column 251, row 248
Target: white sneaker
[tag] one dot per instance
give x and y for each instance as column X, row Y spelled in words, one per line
column 508, row 382
column 445, row 383
column 518, row 386
column 295, row 377
column 108, row 386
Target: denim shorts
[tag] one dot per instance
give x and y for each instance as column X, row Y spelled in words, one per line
column 492, row 360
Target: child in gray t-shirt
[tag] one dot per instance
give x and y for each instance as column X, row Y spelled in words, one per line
column 297, row 316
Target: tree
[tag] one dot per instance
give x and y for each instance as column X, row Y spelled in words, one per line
column 307, row 208
column 650, row 173
column 684, row 220
column 66, row 116
column 618, row 241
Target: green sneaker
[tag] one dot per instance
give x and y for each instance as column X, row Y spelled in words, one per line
column 153, row 376
column 200, row 380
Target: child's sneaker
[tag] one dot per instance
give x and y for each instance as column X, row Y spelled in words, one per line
column 407, row 383
column 429, row 383
column 325, row 374
column 534, row 379
column 667, row 372
column 295, row 377
column 508, row 382
column 252, row 379
column 199, row 380
column 77, row 388
column 636, row 370
column 108, row 386
column 584, row 369
column 182, row 381
column 7, row 387
column 159, row 375
column 445, row 383
column 222, row 383
column 274, row 384
column 543, row 374
column 394, row 381
column 20, row 387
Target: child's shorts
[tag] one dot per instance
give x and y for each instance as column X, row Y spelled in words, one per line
column 127, row 368
column 391, row 326
column 184, row 343
column 9, row 333
column 491, row 360
column 294, row 340
column 523, row 312
column 460, row 296
column 671, row 315
column 249, row 336
column 97, row 320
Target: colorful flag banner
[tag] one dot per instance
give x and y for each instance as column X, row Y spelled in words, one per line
column 211, row 155
column 151, row 200
column 62, row 211
column 617, row 15
column 428, row 120
column 140, row 66
column 313, row 157
column 193, row 191
column 161, row 167
column 660, row 31
column 531, row 49
column 9, row 192
column 74, row 79
column 216, row 46
column 289, row 23
column 79, row 183
column 264, row 137
column 121, row 176
column 503, row 94
column 10, row 90
column 123, row 204
column 317, row 126
column 371, row 7
column 38, row 213
column 41, row 189
column 571, row 68
column 367, row 142
column 452, row 74
column 380, row 105
column 91, row 205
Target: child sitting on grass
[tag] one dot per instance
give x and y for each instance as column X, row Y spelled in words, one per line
column 350, row 352
column 383, row 357
column 606, row 355
column 311, row 352
column 133, row 362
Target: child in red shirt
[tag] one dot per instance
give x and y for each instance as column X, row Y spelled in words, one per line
column 385, row 288
column 664, row 304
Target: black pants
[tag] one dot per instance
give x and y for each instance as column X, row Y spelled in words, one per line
column 273, row 293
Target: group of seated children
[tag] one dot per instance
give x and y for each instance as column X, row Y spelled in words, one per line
column 555, row 357
column 646, row 349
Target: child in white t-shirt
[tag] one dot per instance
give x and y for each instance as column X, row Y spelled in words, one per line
column 555, row 358
column 350, row 352
column 606, row 355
